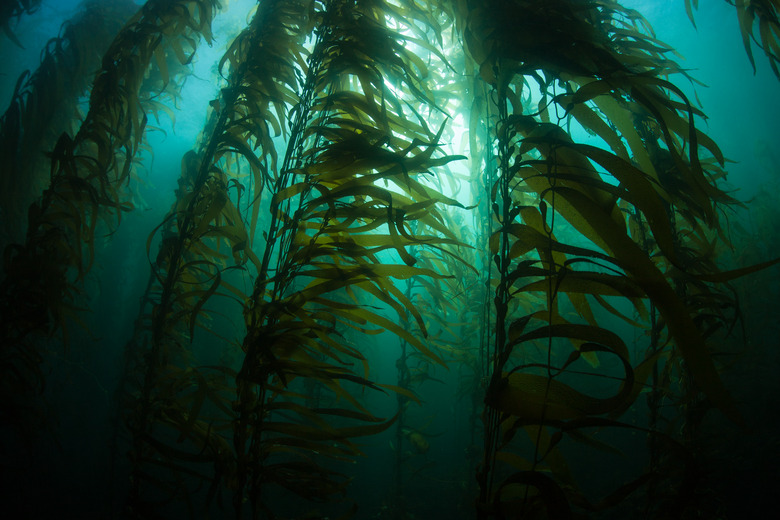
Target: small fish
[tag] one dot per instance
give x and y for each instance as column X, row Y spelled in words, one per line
column 417, row 440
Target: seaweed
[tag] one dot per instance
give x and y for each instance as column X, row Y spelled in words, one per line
column 89, row 172
column 576, row 53
column 323, row 204
column 752, row 14
column 12, row 10
column 44, row 105
column 342, row 143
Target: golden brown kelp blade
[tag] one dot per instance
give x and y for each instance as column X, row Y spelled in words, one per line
column 763, row 13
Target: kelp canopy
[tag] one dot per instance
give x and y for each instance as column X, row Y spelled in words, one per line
column 515, row 199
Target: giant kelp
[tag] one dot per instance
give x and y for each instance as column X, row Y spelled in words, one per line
column 322, row 238
column 752, row 13
column 320, row 205
column 189, row 266
column 344, row 140
column 13, row 10
column 89, row 174
column 608, row 78
column 44, row 105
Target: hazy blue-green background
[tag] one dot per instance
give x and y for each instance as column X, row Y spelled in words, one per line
column 71, row 474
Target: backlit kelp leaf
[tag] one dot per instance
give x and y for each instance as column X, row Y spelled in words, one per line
column 589, row 282
column 560, row 160
column 396, row 329
column 622, row 118
column 645, row 90
column 535, row 239
column 634, row 261
column 689, row 169
column 238, row 144
column 643, row 193
column 334, row 195
column 362, row 245
column 746, row 16
column 591, row 121
column 354, row 154
column 632, row 86
column 689, row 9
column 397, row 300
column 394, row 219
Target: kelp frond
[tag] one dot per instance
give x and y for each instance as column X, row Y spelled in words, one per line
column 322, row 203
column 44, row 105
column 752, row 15
column 201, row 240
column 331, row 222
column 592, row 67
column 14, row 9
column 89, row 173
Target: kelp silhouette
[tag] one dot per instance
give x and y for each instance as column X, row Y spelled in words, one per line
column 13, row 10
column 323, row 176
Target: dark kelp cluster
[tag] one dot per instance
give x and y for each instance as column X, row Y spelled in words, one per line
column 12, row 10
column 89, row 174
column 45, row 104
column 320, row 206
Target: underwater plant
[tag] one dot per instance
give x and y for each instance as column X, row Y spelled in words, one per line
column 765, row 13
column 13, row 9
column 88, row 174
column 517, row 190
column 44, row 105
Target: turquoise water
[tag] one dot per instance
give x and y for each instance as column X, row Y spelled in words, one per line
column 75, row 462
